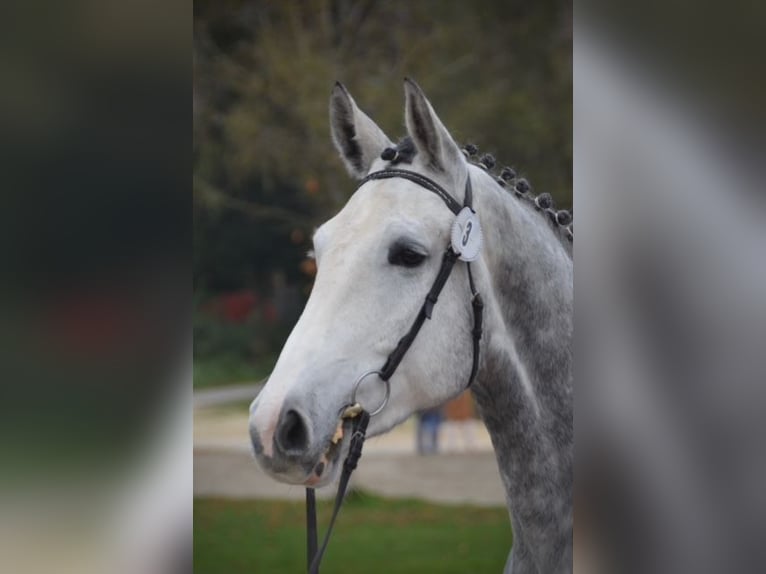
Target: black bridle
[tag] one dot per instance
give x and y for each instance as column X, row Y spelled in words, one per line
column 465, row 224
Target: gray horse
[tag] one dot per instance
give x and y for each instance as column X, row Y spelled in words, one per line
column 376, row 260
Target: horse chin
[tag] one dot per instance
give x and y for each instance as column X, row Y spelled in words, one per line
column 330, row 461
column 328, row 477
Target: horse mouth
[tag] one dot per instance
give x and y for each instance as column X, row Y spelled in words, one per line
column 323, row 471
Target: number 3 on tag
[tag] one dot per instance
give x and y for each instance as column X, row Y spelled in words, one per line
column 466, row 235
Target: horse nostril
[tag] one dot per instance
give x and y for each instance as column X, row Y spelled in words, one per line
column 293, row 437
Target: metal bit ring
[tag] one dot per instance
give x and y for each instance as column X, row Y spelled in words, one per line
column 385, row 399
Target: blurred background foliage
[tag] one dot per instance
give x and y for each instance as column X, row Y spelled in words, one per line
column 498, row 73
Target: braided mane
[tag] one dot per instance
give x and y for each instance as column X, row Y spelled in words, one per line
column 508, row 179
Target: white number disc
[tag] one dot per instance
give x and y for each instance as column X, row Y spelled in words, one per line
column 466, row 235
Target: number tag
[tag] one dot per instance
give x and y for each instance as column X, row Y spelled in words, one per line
column 466, row 235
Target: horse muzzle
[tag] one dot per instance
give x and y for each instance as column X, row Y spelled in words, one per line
column 299, row 452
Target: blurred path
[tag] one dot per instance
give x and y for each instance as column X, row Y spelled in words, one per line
column 466, row 478
column 224, row 466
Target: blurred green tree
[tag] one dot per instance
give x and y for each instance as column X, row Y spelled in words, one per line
column 265, row 172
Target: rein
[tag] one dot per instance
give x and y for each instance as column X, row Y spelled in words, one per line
column 465, row 245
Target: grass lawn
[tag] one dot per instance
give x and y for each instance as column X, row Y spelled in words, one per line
column 373, row 535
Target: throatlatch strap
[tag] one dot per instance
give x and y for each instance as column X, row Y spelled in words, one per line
column 476, row 301
column 359, row 430
column 478, row 319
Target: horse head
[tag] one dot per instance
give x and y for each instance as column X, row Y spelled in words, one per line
column 376, row 261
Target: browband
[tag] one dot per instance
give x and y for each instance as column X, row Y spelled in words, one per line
column 423, row 181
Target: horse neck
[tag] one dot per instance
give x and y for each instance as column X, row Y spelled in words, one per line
column 524, row 386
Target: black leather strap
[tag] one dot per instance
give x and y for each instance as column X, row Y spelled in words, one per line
column 476, row 301
column 311, row 526
column 478, row 319
column 396, row 356
column 358, row 430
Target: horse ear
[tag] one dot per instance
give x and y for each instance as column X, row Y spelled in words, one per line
column 439, row 150
column 358, row 139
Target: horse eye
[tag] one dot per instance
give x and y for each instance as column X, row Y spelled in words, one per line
column 405, row 256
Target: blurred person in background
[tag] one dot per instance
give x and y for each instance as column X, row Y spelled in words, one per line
column 429, row 422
